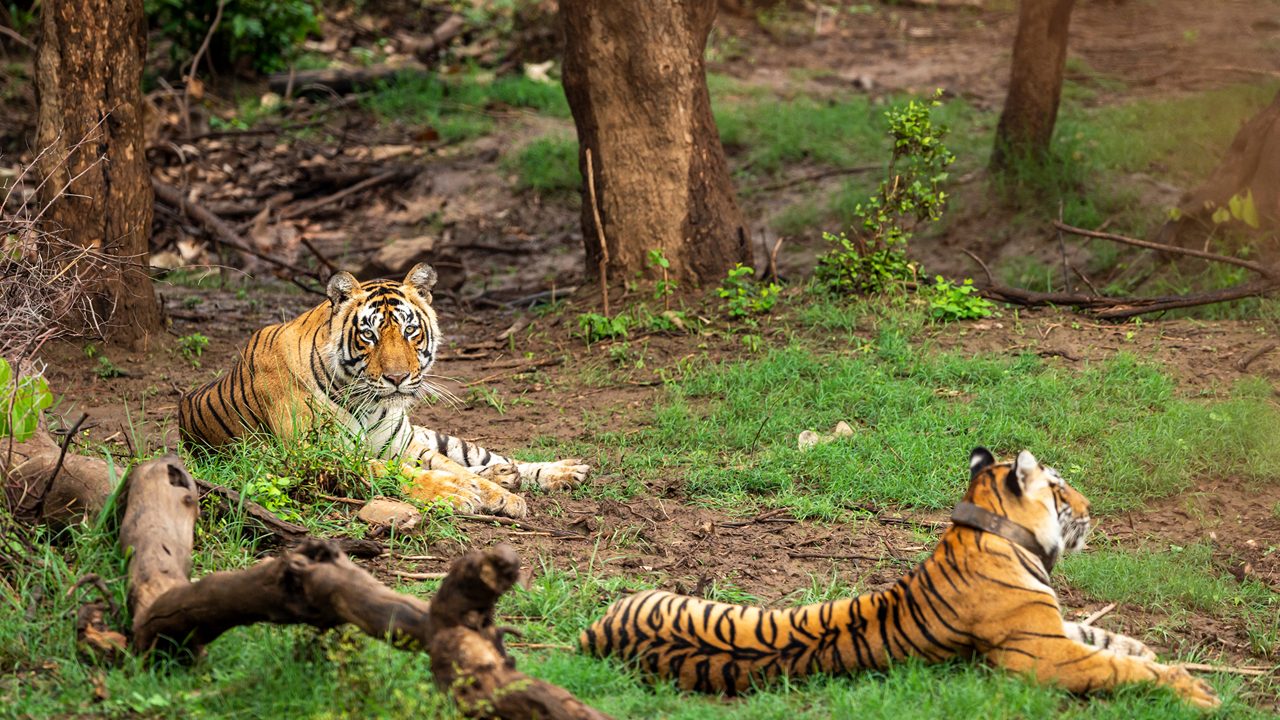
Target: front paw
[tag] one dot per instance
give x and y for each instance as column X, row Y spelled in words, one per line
column 557, row 475
column 1192, row 689
column 505, row 474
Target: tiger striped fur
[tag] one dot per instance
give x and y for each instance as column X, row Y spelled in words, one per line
column 362, row 360
column 978, row 594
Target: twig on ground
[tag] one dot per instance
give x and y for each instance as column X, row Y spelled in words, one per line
column 1267, row 272
column 604, row 245
column 419, row 575
column 1247, row 360
column 309, row 207
column 1095, row 617
column 519, row 525
column 832, row 556
column 1254, row 670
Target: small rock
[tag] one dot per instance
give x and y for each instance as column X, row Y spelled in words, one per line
column 387, row 512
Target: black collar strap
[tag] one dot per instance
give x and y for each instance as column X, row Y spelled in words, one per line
column 970, row 515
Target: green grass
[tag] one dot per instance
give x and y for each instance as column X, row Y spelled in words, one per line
column 546, row 165
column 1117, row 429
column 461, row 109
column 1180, row 139
column 1179, row 580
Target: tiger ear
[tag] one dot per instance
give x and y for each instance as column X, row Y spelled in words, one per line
column 341, row 285
column 1024, row 469
column 979, row 460
column 421, row 277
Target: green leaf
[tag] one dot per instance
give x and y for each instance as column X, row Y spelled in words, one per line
column 1244, row 209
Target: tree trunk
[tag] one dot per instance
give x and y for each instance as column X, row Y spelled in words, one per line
column 1249, row 169
column 1035, row 82
column 636, row 83
column 98, row 187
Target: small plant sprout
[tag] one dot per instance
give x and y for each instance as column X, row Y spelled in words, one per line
column 958, row 302
column 664, row 288
column 594, row 327
column 744, row 296
column 24, row 397
column 192, row 347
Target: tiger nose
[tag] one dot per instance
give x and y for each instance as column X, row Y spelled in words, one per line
column 395, row 378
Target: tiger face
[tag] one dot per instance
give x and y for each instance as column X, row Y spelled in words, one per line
column 1034, row 496
column 384, row 337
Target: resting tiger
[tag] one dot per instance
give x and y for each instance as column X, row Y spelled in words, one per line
column 984, row 591
column 362, row 360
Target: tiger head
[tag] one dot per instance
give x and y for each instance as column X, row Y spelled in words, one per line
column 384, row 337
column 1033, row 496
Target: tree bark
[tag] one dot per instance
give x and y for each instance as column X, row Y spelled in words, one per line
column 1035, row 82
column 636, row 84
column 97, row 188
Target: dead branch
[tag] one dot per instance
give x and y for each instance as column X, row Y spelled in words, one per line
column 318, row 585
column 339, row 81
column 604, row 245
column 216, row 228
column 1263, row 270
column 1116, row 308
column 1249, row 359
column 305, row 209
column 1099, row 614
column 813, row 177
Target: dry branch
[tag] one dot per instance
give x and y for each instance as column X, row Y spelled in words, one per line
column 38, row 490
column 316, row 584
column 1116, row 308
column 216, row 228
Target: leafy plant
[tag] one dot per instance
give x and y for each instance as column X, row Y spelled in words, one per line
column 272, row 492
column 24, row 398
column 666, row 287
column 873, row 257
column 958, row 302
column 192, row 347
column 594, row 327
column 107, row 369
column 744, row 296
column 265, row 33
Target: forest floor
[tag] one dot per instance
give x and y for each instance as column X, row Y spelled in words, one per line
column 698, row 483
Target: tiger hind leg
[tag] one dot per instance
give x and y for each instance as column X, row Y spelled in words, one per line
column 1096, row 637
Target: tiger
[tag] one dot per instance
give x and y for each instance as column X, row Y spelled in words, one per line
column 361, row 360
column 983, row 591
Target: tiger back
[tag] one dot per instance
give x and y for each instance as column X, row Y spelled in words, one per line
column 984, row 591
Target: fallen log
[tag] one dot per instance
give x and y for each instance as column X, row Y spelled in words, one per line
column 318, row 585
column 45, row 484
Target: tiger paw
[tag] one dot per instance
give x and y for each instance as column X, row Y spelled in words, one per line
column 556, row 475
column 505, row 474
column 427, row 486
column 497, row 500
column 1192, row 689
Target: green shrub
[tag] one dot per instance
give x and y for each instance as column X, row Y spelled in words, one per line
column 958, row 302
column 266, row 33
column 594, row 327
column 744, row 296
column 875, row 256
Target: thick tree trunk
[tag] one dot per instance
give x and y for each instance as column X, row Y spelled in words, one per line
column 98, row 187
column 1249, row 169
column 636, row 83
column 1035, row 82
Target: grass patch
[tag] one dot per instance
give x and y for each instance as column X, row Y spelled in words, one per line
column 458, row 109
column 1116, row 429
column 1179, row 580
column 546, row 165
column 1178, row 139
